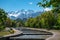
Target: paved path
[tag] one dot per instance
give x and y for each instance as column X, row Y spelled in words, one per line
column 56, row 35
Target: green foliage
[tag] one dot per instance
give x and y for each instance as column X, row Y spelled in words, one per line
column 30, row 22
column 49, row 19
column 57, row 27
column 58, row 21
column 7, row 22
column 48, row 3
column 2, row 19
column 2, row 28
column 46, row 20
column 12, row 23
column 11, row 31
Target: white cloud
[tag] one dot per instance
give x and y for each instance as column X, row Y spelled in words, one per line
column 30, row 3
column 47, row 9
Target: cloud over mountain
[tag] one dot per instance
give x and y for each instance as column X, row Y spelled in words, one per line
column 23, row 14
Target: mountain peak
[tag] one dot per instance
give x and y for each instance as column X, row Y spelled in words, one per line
column 23, row 14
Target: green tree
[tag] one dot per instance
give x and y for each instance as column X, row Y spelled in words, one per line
column 57, row 26
column 45, row 20
column 48, row 20
column 3, row 16
column 48, row 3
column 8, row 22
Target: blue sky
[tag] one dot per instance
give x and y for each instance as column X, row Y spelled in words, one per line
column 13, row 5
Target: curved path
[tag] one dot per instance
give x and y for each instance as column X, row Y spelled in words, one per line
column 56, row 35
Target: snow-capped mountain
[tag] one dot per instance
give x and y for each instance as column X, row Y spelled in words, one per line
column 23, row 14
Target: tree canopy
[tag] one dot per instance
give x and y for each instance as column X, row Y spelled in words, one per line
column 48, row 3
column 3, row 17
column 45, row 20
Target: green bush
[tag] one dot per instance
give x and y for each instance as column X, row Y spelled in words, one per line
column 2, row 28
column 3, row 17
column 11, row 31
column 57, row 27
column 46, row 20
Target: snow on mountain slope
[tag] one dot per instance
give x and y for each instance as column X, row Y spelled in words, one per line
column 23, row 14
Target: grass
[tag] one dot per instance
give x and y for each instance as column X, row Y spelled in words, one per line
column 4, row 33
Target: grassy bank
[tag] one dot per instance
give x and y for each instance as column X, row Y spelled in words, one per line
column 4, row 33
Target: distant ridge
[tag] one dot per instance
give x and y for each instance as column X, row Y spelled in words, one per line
column 23, row 14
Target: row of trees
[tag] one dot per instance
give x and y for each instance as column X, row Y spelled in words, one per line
column 46, row 20
column 2, row 19
column 50, row 19
column 7, row 22
column 55, row 4
column 12, row 23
